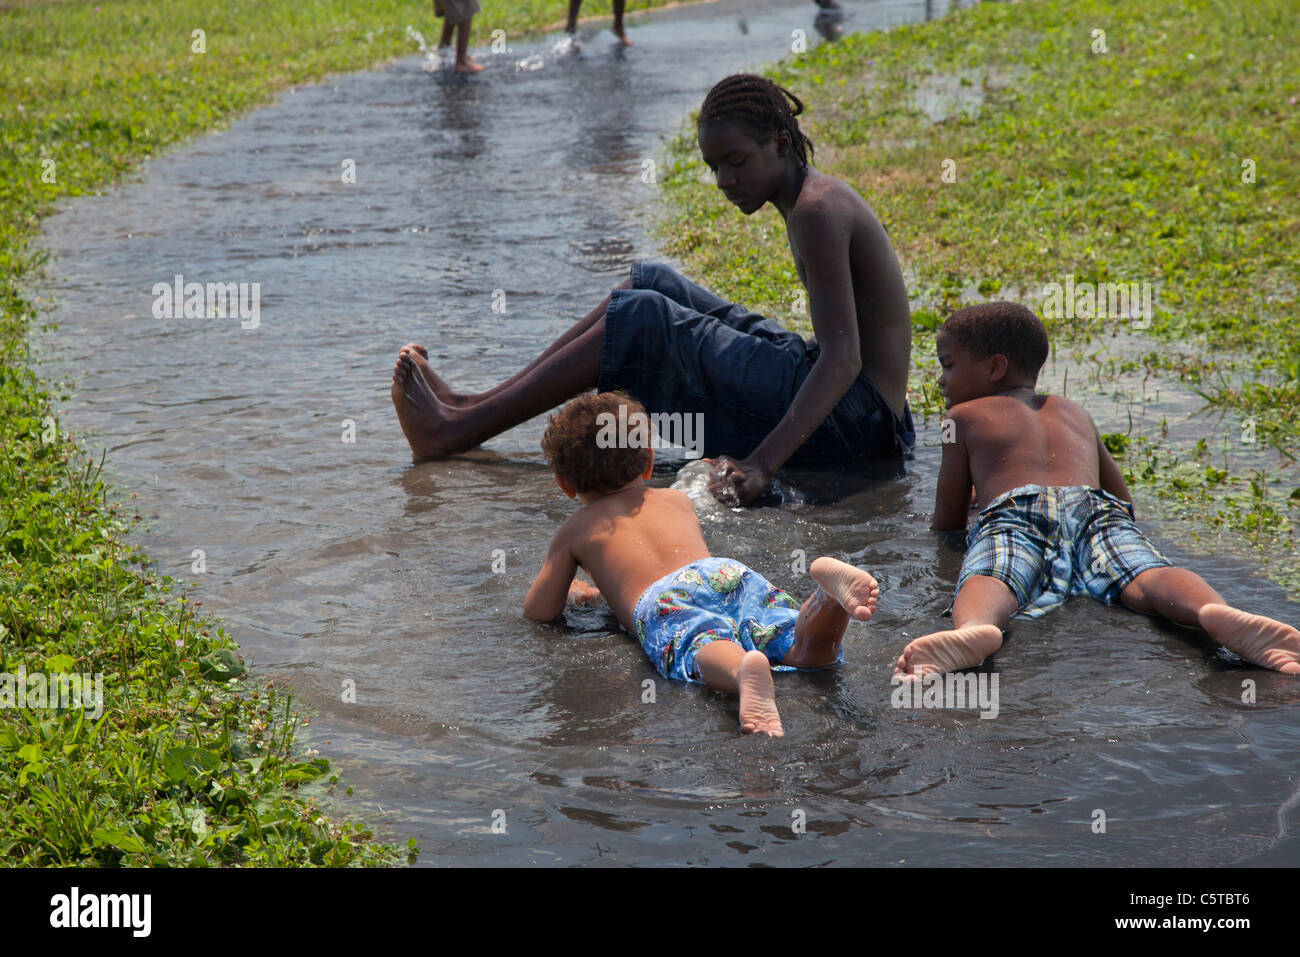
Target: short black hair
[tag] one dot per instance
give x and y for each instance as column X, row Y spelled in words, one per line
column 1005, row 328
column 761, row 106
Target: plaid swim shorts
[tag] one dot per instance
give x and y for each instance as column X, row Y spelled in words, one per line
column 1047, row 544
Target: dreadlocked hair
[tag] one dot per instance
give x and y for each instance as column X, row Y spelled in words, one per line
column 760, row 105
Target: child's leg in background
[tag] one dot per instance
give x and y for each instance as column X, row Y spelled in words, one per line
column 464, row 62
column 726, row 666
column 843, row 591
column 1185, row 598
column 619, row 32
column 982, row 610
column 462, row 40
column 447, row 25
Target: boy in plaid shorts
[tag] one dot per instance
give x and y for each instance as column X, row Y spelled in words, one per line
column 1058, row 519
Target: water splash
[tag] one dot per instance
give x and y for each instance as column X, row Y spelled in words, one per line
column 1283, row 811
column 694, row 479
column 416, row 37
column 567, row 45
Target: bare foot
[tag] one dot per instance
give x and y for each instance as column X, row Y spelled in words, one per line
column 1260, row 640
column 467, row 65
column 851, row 587
column 622, row 35
column 445, row 393
column 948, row 650
column 422, row 416
column 758, row 714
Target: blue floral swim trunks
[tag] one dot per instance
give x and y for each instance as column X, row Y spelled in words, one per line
column 1048, row 543
column 713, row 599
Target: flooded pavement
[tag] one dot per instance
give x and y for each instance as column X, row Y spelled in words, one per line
column 271, row 445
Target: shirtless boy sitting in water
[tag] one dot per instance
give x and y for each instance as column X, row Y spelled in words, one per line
column 768, row 396
column 699, row 618
column 1057, row 518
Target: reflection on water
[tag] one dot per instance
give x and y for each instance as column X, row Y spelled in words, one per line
column 335, row 560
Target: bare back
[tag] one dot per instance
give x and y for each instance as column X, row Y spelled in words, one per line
column 884, row 316
column 1039, row 440
column 629, row 540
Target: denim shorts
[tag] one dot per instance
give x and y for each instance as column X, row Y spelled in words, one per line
column 677, row 347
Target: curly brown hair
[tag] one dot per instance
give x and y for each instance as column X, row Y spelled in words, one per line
column 573, row 449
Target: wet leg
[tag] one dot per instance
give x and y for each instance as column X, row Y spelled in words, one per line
column 982, row 610
column 419, row 412
column 619, row 32
column 1173, row 593
column 435, row 429
column 445, row 393
column 843, row 592
column 725, row 666
column 1184, row 597
column 449, row 396
column 464, row 62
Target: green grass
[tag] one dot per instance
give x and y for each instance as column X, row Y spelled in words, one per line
column 1122, row 166
column 192, row 761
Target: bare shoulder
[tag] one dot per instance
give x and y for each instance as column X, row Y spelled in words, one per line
column 573, row 529
column 988, row 419
column 976, row 410
column 1069, row 410
column 825, row 199
column 672, row 497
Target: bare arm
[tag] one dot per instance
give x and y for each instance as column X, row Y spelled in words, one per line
column 824, row 244
column 550, row 590
column 952, row 497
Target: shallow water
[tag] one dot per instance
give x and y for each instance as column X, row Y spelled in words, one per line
column 334, row 561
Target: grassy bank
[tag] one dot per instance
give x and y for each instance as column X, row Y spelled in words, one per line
column 191, row 761
column 1014, row 144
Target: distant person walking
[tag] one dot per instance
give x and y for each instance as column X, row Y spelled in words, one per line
column 457, row 15
column 575, row 6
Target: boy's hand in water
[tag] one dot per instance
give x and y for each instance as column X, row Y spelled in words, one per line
column 580, row 593
column 736, row 483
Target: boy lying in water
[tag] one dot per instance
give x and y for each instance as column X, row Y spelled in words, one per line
column 699, row 618
column 1057, row 519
